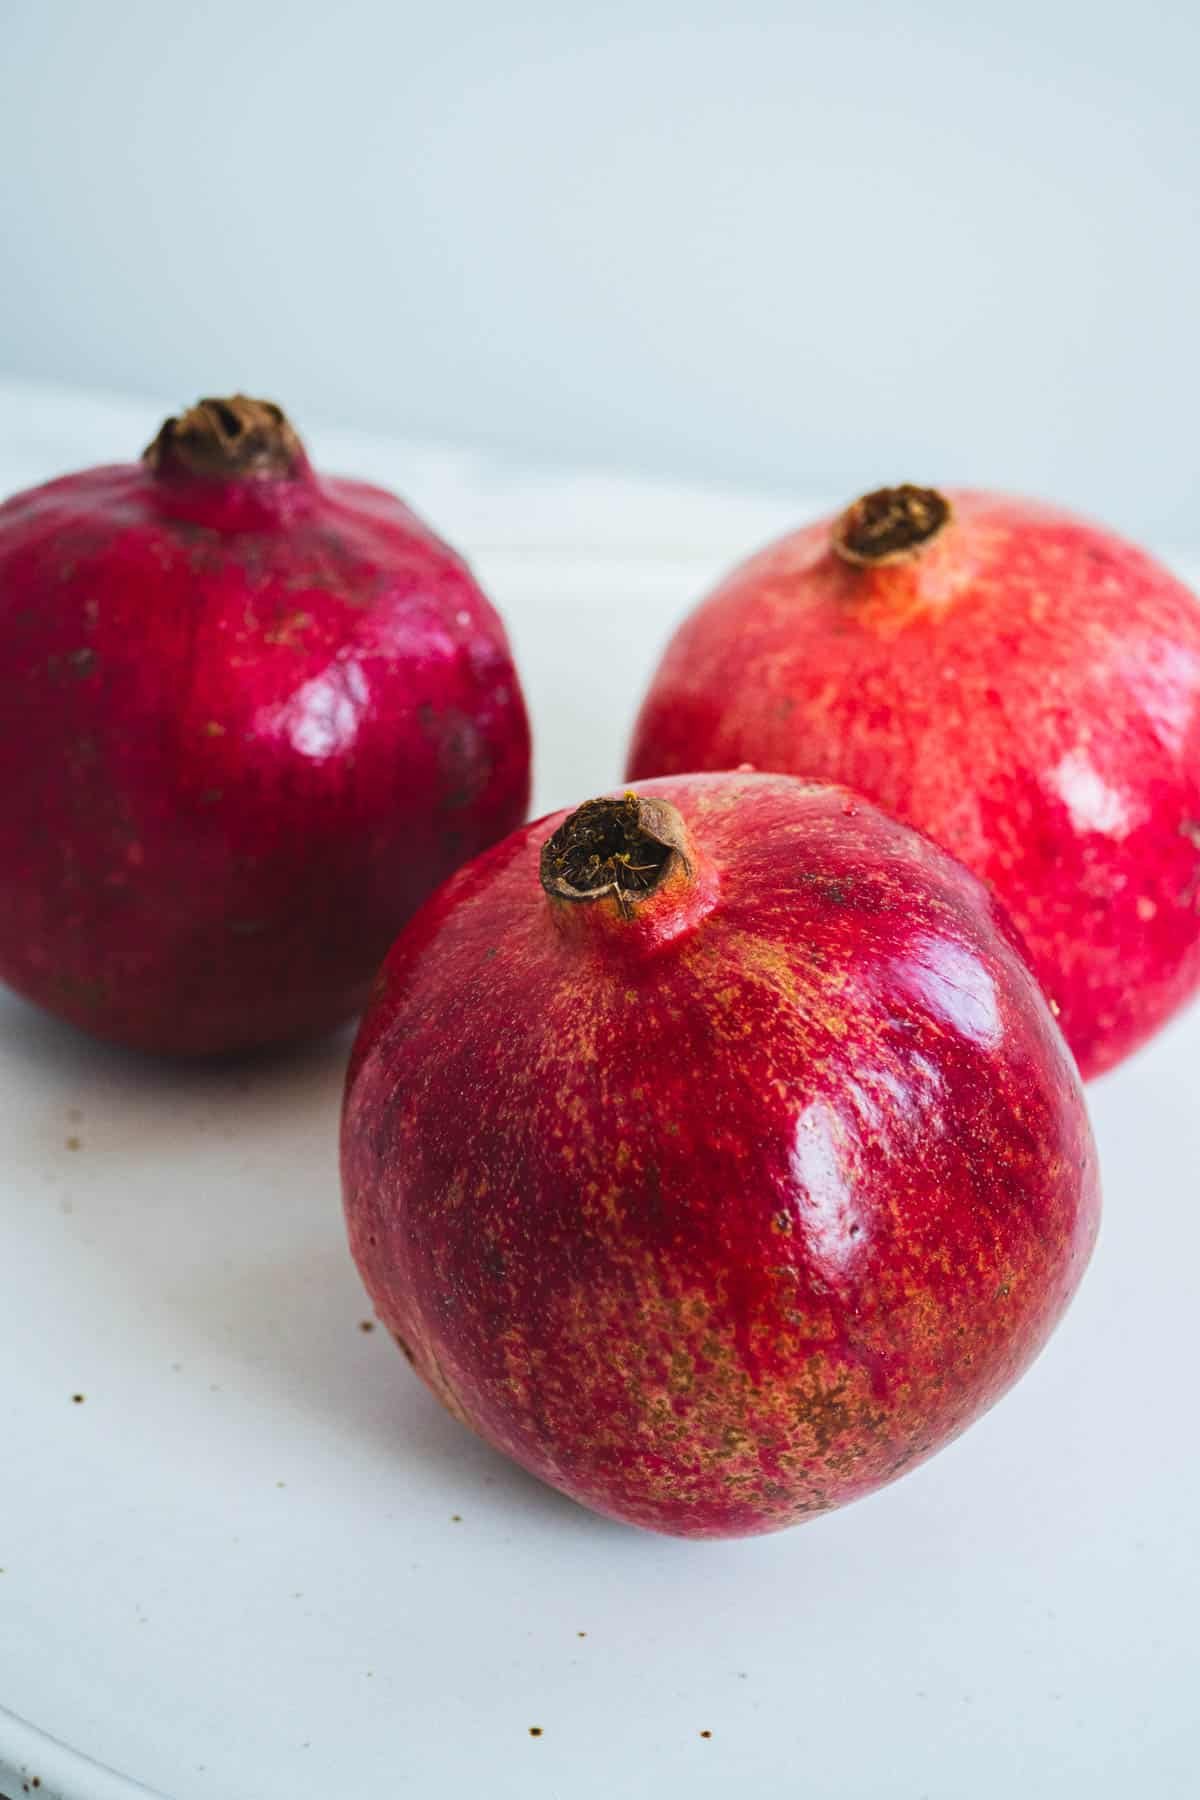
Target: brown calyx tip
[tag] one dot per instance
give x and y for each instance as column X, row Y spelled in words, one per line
column 228, row 439
column 890, row 525
column 624, row 847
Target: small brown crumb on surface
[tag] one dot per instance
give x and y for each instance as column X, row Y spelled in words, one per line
column 456, row 1518
column 581, row 1634
column 77, row 1399
column 535, row 1731
column 281, row 1484
column 706, row 1734
column 366, row 1324
column 74, row 1143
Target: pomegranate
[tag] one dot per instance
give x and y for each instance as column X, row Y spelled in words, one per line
column 249, row 719
column 1021, row 685
column 712, row 1151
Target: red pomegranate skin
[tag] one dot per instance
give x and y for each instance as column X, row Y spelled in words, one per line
column 1026, row 689
column 248, row 722
column 724, row 1213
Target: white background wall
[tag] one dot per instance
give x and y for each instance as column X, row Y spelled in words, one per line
column 806, row 247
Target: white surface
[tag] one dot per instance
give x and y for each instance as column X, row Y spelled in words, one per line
column 233, row 1571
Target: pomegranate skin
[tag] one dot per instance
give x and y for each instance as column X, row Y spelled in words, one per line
column 249, row 719
column 1025, row 687
column 726, row 1208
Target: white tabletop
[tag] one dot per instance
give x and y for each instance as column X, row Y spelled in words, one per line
column 257, row 1561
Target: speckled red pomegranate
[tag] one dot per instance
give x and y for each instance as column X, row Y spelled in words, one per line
column 713, row 1151
column 1023, row 686
column 249, row 719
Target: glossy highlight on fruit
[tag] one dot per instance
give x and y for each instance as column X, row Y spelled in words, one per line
column 1023, row 686
column 712, row 1151
column 250, row 717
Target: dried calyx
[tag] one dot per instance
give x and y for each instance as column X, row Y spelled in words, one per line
column 620, row 847
column 890, row 525
column 227, row 439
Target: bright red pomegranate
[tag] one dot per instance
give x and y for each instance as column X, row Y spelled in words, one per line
column 249, row 719
column 712, row 1151
column 1021, row 685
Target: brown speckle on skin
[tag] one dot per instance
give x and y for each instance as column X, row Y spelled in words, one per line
column 248, row 928
column 288, row 632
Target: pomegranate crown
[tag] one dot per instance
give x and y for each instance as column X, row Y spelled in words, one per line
column 623, row 847
column 890, row 525
column 237, row 438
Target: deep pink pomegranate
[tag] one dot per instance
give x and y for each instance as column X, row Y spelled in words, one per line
column 1021, row 685
column 250, row 717
column 712, row 1151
